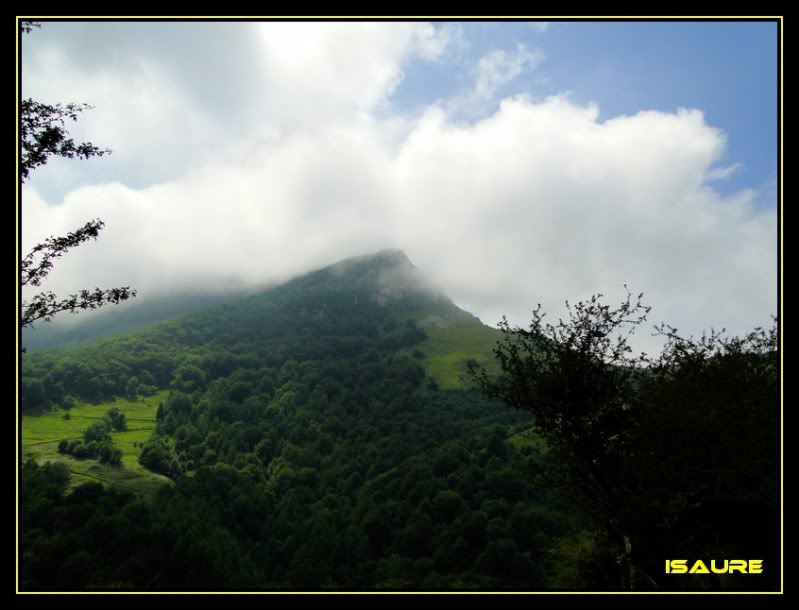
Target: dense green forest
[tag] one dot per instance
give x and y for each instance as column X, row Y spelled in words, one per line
column 316, row 440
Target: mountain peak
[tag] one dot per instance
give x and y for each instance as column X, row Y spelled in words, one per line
column 375, row 263
column 387, row 275
column 386, row 258
column 394, row 255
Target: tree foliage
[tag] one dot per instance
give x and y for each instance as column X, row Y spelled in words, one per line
column 650, row 449
column 43, row 134
column 97, row 442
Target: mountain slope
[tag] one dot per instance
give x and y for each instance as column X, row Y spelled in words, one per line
column 388, row 278
column 309, row 447
column 133, row 315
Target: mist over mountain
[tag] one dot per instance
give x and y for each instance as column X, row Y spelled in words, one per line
column 134, row 314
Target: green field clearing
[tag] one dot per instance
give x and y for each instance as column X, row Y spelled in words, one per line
column 448, row 348
column 42, row 433
column 453, row 337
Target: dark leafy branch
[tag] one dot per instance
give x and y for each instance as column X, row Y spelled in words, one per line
column 45, row 305
column 27, row 26
column 38, row 263
column 43, row 134
column 589, row 352
column 52, row 248
column 680, row 353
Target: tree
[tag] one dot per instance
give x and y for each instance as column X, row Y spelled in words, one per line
column 99, row 431
column 116, row 419
column 578, row 379
column 663, row 457
column 132, row 387
column 157, row 456
column 709, row 449
column 43, row 134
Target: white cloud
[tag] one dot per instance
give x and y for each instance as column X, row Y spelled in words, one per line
column 432, row 43
column 141, row 112
column 491, row 73
column 321, row 71
column 499, row 68
column 168, row 99
column 538, row 202
column 722, row 173
column 540, row 26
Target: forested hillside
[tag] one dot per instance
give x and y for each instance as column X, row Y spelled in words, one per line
column 309, row 449
column 324, row 434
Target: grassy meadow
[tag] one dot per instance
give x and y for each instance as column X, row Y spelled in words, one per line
column 42, row 433
column 448, row 347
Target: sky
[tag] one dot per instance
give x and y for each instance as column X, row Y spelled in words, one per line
column 515, row 163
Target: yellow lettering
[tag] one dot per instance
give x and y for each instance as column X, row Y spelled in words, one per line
column 717, row 566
